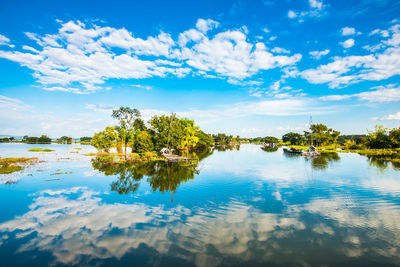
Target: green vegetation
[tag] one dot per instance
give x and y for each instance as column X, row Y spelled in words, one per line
column 85, row 139
column 161, row 175
column 10, row 165
column 163, row 131
column 37, row 140
column 223, row 139
column 64, row 140
column 6, row 139
column 41, row 150
column 293, row 138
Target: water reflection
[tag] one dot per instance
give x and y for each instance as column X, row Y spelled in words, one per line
column 323, row 161
column 382, row 163
column 162, row 176
column 245, row 208
column 270, row 149
column 231, row 147
column 78, row 228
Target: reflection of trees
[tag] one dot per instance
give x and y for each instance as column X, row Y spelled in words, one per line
column 162, row 176
column 382, row 162
column 228, row 147
column 270, row 149
column 167, row 176
column 322, row 162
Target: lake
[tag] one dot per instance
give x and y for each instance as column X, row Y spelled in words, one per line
column 245, row 207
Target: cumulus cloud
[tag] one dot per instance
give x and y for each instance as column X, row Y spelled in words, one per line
column 348, row 31
column 319, row 54
column 80, row 58
column 316, row 9
column 395, row 116
column 352, row 69
column 348, row 43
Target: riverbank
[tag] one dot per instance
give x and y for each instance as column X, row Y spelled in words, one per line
column 383, row 154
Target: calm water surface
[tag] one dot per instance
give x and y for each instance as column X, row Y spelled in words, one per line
column 235, row 208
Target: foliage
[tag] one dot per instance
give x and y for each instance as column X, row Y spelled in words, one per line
column 394, row 136
column 6, row 139
column 105, row 140
column 322, row 135
column 205, row 141
column 143, row 142
column 64, row 140
column 271, row 139
column 357, row 138
column 85, row 139
column 378, row 138
column 37, row 140
column 293, row 138
column 41, row 150
column 175, row 133
column 223, row 139
column 165, row 131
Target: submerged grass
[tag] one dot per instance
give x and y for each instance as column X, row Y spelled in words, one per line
column 10, row 165
column 9, row 169
column 41, row 150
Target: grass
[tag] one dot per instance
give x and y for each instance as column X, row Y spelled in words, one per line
column 10, row 165
column 40, row 150
column 6, row 161
column 9, row 169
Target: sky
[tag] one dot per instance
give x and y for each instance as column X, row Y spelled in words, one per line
column 248, row 68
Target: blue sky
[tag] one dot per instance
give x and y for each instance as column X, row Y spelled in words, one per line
column 251, row 68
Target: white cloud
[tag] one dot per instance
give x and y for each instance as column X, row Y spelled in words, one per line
column 352, row 69
column 316, row 10
column 5, row 41
column 104, row 108
column 7, row 104
column 395, row 116
column 348, row 31
column 389, row 93
column 146, row 87
column 81, row 58
column 206, row 25
column 292, row 14
column 319, row 54
column 383, row 33
column 348, row 43
column 280, row 50
column 315, row 4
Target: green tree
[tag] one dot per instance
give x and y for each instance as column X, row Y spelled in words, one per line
column 322, row 135
column 205, row 141
column 394, row 136
column 64, row 140
column 271, row 139
column 293, row 138
column 143, row 142
column 85, row 139
column 44, row 139
column 130, row 122
column 105, row 140
column 378, row 138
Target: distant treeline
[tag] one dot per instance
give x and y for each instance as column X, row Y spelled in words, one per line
column 44, row 139
column 379, row 138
